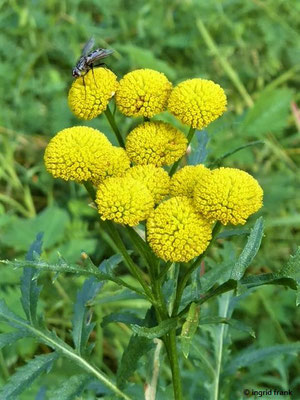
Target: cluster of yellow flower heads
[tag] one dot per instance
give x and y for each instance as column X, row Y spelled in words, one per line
column 133, row 184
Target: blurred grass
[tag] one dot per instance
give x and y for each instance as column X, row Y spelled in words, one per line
column 250, row 47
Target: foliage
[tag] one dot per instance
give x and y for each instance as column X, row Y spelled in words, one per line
column 252, row 49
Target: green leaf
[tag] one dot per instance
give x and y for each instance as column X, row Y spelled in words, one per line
column 82, row 327
column 137, row 347
column 249, row 251
column 25, row 375
column 157, row 331
column 62, row 266
column 29, row 288
column 200, row 152
column 127, row 319
column 71, row 388
column 11, row 337
column 253, row 356
column 268, row 279
column 239, row 325
column 53, row 341
column 292, row 267
column 189, row 329
column 10, row 317
column 269, row 113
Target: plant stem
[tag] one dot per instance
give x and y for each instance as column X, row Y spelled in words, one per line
column 189, row 139
column 191, row 269
column 112, row 123
column 109, row 227
column 173, row 358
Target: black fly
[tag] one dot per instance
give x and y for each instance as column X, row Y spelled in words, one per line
column 88, row 58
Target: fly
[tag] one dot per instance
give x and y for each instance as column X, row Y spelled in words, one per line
column 88, row 58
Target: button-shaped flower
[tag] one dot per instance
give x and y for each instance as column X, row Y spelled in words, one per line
column 90, row 94
column 155, row 179
column 228, row 195
column 183, row 181
column 197, row 102
column 117, row 164
column 156, row 143
column 124, row 201
column 176, row 232
column 143, row 92
column 78, row 154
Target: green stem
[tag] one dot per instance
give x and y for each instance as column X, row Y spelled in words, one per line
column 182, row 283
column 109, row 227
column 114, row 126
column 189, row 139
column 173, row 358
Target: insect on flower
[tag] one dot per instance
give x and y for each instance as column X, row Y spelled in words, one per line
column 88, row 58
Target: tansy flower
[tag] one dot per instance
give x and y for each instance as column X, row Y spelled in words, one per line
column 228, row 195
column 90, row 94
column 116, row 165
column 184, row 181
column 124, row 200
column 143, row 92
column 78, row 154
column 156, row 143
column 155, row 179
column 176, row 232
column 197, row 102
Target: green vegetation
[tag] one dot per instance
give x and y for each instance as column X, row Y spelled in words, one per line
column 252, row 49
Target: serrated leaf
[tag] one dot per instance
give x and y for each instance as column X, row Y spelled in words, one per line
column 29, row 288
column 82, row 327
column 268, row 279
column 71, row 388
column 62, row 266
column 53, row 341
column 25, row 375
column 249, row 251
column 269, row 113
column 128, row 318
column 200, row 152
column 10, row 317
column 253, row 356
column 137, row 347
column 11, row 337
column 157, row 331
column 189, row 328
column 292, row 268
column 239, row 325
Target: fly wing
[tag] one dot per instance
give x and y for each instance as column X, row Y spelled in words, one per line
column 98, row 55
column 88, row 47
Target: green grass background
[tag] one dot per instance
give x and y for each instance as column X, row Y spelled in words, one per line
column 250, row 47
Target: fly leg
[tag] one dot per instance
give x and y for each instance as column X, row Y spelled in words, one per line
column 92, row 68
column 84, row 86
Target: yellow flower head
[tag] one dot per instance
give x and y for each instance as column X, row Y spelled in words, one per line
column 155, row 179
column 176, row 232
column 78, row 154
column 90, row 94
column 117, row 164
column 156, row 143
column 197, row 102
column 184, row 181
column 228, row 195
column 124, row 200
column 143, row 92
